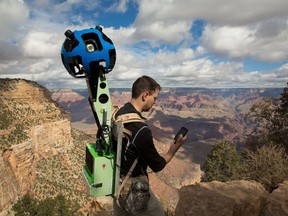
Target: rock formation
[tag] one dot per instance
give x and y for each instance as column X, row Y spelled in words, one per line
column 236, row 198
column 27, row 110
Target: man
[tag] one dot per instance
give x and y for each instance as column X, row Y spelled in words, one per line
column 144, row 94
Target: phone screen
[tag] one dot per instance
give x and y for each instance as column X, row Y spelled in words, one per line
column 183, row 131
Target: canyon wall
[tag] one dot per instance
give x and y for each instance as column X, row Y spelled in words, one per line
column 45, row 130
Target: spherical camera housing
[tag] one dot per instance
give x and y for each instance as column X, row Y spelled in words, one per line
column 83, row 52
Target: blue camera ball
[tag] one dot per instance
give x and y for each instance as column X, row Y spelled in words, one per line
column 84, row 52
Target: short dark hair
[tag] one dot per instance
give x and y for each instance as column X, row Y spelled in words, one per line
column 142, row 84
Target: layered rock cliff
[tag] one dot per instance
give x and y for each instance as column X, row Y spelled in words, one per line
column 32, row 127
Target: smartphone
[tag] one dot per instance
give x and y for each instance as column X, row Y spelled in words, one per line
column 183, row 131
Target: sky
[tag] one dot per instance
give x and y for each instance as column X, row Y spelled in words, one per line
column 179, row 43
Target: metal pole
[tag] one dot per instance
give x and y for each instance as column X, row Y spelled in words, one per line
column 118, row 155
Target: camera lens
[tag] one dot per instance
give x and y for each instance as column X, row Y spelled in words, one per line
column 90, row 47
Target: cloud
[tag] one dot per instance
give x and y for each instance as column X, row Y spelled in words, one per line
column 237, row 29
column 234, row 42
column 158, row 43
column 256, row 41
column 13, row 14
column 220, row 12
column 203, row 73
column 281, row 72
column 12, row 51
column 66, row 5
column 42, row 44
column 161, row 31
column 122, row 37
column 187, row 70
column 121, row 6
column 41, row 66
column 6, row 65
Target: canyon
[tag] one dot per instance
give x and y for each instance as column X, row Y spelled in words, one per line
column 44, row 133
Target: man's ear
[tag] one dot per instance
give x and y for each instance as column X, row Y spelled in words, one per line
column 144, row 95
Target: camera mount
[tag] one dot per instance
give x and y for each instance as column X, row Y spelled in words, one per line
column 90, row 54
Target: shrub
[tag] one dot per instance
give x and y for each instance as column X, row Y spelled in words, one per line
column 25, row 206
column 58, row 206
column 267, row 165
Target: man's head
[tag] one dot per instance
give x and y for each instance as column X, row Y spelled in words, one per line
column 145, row 89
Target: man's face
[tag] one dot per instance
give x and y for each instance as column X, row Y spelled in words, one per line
column 150, row 100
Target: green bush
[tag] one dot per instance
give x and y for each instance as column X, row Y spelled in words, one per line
column 58, row 206
column 223, row 163
column 26, row 206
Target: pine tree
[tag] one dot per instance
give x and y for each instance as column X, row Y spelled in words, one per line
column 223, row 163
column 270, row 120
column 284, row 101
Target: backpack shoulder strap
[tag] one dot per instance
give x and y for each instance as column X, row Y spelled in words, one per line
column 126, row 118
column 131, row 168
column 129, row 117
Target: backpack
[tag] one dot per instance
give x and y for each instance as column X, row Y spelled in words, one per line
column 120, row 121
column 119, row 132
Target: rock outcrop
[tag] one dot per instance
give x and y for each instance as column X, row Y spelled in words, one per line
column 236, row 198
column 277, row 202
